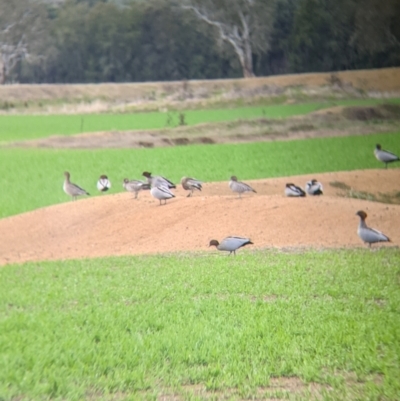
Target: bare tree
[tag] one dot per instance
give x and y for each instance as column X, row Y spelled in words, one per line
column 20, row 23
column 244, row 24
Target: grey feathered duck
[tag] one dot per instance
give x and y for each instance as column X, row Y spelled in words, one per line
column 314, row 188
column 103, row 184
column 385, row 156
column 292, row 190
column 239, row 187
column 162, row 193
column 191, row 184
column 158, row 180
column 135, row 186
column 367, row 234
column 71, row 189
column 230, row 244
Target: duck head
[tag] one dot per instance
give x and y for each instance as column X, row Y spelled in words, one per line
column 213, row 242
column 361, row 214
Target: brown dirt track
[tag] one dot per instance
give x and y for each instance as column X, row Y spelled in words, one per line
column 119, row 225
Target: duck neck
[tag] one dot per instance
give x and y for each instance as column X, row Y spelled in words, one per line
column 362, row 224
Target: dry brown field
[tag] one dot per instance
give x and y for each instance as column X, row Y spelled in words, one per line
column 195, row 93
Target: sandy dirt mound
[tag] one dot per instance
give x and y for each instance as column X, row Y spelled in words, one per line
column 119, row 225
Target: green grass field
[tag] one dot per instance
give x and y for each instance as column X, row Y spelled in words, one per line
column 143, row 327
column 33, row 178
column 24, row 127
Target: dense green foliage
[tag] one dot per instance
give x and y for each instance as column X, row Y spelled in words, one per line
column 141, row 327
column 111, row 41
column 32, row 178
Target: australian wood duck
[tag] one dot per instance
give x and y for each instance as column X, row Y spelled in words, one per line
column 71, row 189
column 190, row 184
column 103, row 184
column 162, row 193
column 135, row 186
column 294, row 191
column 239, row 187
column 369, row 235
column 230, row 244
column 158, row 180
column 385, row 156
column 314, row 187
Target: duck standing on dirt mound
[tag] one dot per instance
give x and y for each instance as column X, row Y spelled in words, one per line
column 369, row 235
column 230, row 244
column 239, row 187
column 135, row 186
column 158, row 180
column 190, row 184
column 314, row 188
column 292, row 190
column 71, row 189
column 162, row 193
column 385, row 156
column 103, row 184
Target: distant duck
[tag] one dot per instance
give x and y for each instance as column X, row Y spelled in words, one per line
column 230, row 244
column 190, row 184
column 103, row 184
column 162, row 193
column 294, row 191
column 369, row 235
column 239, row 187
column 158, row 180
column 385, row 156
column 135, row 186
column 71, row 189
column 314, row 187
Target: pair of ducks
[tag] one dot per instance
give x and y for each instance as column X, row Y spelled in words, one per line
column 312, row 188
column 73, row 190
column 161, row 186
column 368, row 235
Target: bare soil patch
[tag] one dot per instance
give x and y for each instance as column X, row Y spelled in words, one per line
column 119, row 225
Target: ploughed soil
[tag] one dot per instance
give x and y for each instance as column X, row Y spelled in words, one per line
column 120, row 225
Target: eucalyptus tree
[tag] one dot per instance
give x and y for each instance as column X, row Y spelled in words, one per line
column 244, row 24
column 174, row 45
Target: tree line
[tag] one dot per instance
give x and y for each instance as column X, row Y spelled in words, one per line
column 85, row 41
